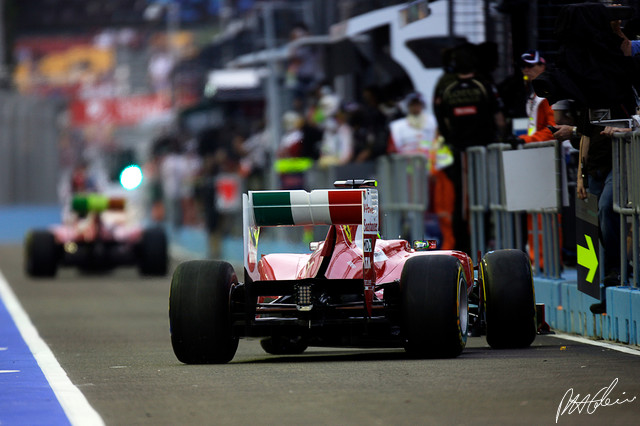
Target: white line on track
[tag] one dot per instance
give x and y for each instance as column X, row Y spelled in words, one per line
column 73, row 402
column 9, row 371
column 612, row 346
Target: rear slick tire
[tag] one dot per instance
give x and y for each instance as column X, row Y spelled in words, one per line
column 41, row 254
column 199, row 315
column 509, row 300
column 434, row 306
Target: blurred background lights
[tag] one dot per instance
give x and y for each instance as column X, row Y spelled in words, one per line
column 131, row 177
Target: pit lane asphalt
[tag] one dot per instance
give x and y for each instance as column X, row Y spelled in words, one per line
column 110, row 333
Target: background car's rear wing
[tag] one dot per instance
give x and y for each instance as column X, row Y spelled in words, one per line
column 86, row 203
column 317, row 207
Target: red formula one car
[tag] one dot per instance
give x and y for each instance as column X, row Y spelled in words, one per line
column 96, row 237
column 354, row 289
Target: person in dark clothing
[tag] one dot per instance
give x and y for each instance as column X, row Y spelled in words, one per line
column 206, row 194
column 470, row 108
column 470, row 114
column 591, row 68
column 595, row 176
column 446, row 79
column 311, row 140
column 370, row 127
column 594, row 71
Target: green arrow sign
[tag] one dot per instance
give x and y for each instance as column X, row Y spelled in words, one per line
column 588, row 258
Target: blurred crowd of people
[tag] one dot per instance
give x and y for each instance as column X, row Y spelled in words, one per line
column 320, row 130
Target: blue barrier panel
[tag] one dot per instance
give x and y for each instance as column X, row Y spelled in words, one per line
column 571, row 320
column 572, row 308
column 548, row 292
column 619, row 312
column 578, row 316
column 591, row 320
column 603, row 326
column 635, row 316
column 564, row 322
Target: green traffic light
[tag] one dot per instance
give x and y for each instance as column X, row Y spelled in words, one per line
column 131, row 177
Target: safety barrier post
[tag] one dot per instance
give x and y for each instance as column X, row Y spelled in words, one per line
column 626, row 196
column 536, row 248
column 635, row 223
column 477, row 196
column 504, row 221
column 403, row 181
column 389, row 217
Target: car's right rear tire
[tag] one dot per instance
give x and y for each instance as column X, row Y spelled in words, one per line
column 41, row 254
column 434, row 306
column 509, row 301
column 199, row 314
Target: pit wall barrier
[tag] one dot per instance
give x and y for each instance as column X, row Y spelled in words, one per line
column 488, row 196
column 566, row 308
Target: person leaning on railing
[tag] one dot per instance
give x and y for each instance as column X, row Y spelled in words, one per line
column 595, row 177
column 595, row 164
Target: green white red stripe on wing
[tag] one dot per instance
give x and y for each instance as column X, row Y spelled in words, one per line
column 318, row 207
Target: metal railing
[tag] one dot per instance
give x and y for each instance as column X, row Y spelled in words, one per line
column 404, row 194
column 626, row 199
column 487, row 195
column 478, row 198
column 507, row 225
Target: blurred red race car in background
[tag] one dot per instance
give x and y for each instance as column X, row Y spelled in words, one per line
column 96, row 236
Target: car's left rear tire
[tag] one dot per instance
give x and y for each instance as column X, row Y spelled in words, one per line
column 434, row 306
column 199, row 312
column 41, row 254
column 153, row 258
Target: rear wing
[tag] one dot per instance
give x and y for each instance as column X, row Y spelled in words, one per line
column 301, row 208
column 317, row 207
column 88, row 203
